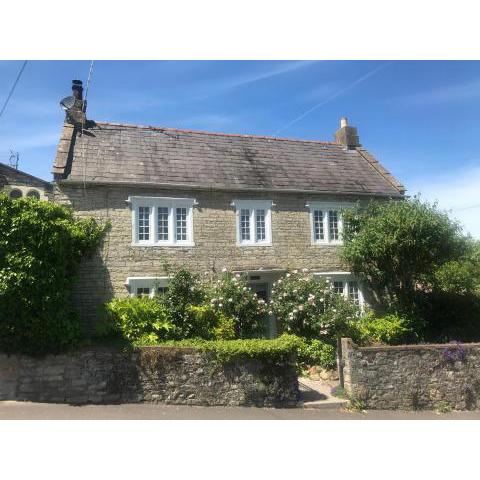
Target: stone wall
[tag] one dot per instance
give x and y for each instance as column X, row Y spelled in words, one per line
column 182, row 376
column 413, row 377
column 104, row 275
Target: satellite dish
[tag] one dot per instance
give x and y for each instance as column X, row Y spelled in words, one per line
column 67, row 103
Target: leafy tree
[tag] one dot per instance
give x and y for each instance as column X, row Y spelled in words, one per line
column 41, row 245
column 397, row 247
column 415, row 261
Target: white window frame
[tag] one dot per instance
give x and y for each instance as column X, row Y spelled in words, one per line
column 154, row 203
column 134, row 283
column 346, row 278
column 325, row 208
column 253, row 206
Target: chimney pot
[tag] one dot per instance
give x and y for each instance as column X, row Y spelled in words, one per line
column 77, row 89
column 346, row 135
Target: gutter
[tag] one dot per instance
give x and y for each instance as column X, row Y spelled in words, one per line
column 182, row 186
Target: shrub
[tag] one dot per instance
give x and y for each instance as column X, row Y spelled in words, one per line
column 310, row 308
column 208, row 323
column 230, row 295
column 184, row 290
column 41, row 246
column 277, row 350
column 316, row 353
column 389, row 329
column 141, row 319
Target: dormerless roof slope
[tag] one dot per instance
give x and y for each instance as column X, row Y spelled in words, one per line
column 9, row 174
column 110, row 153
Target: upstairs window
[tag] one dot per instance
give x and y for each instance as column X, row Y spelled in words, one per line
column 253, row 222
column 162, row 221
column 326, row 220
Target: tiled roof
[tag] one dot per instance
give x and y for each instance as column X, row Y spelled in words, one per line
column 134, row 154
column 9, row 174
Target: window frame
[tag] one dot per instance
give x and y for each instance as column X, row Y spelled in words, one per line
column 325, row 208
column 134, row 283
column 154, row 203
column 253, row 206
column 347, row 278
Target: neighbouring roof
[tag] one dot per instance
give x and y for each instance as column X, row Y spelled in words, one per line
column 10, row 175
column 110, row 153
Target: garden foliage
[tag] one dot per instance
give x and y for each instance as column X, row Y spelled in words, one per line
column 229, row 294
column 416, row 262
column 138, row 319
column 309, row 307
column 282, row 348
column 41, row 245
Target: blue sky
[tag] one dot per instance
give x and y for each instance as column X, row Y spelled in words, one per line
column 420, row 118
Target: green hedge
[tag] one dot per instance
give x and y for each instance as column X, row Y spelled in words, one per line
column 276, row 350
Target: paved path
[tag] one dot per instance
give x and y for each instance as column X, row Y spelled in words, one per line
column 47, row 411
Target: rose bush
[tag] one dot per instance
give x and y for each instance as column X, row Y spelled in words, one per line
column 230, row 295
column 310, row 308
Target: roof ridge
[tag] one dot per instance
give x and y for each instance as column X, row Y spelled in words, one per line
column 221, row 134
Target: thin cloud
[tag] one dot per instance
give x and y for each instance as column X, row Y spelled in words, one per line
column 456, row 193
column 335, row 95
column 225, row 85
column 442, row 95
column 273, row 72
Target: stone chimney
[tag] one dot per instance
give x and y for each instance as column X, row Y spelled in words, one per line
column 75, row 106
column 346, row 135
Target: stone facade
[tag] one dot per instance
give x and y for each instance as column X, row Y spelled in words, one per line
column 413, row 377
column 214, row 232
column 149, row 374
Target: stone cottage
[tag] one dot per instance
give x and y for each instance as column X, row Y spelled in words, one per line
column 208, row 201
column 17, row 184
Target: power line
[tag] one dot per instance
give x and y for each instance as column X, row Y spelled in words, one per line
column 335, row 95
column 13, row 87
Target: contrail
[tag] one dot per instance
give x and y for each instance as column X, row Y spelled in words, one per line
column 335, row 95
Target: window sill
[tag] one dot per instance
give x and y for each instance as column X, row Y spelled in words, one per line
column 327, row 244
column 177, row 245
column 254, row 244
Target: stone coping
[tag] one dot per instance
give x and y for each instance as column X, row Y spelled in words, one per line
column 417, row 346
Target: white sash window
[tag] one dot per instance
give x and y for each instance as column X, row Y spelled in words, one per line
column 254, row 224
column 162, row 221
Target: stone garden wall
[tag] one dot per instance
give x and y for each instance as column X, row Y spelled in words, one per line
column 148, row 374
column 413, row 377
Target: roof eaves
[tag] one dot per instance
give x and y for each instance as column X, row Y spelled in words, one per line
column 183, row 186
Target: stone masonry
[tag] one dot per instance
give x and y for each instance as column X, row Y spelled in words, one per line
column 413, row 377
column 214, row 231
column 149, row 374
